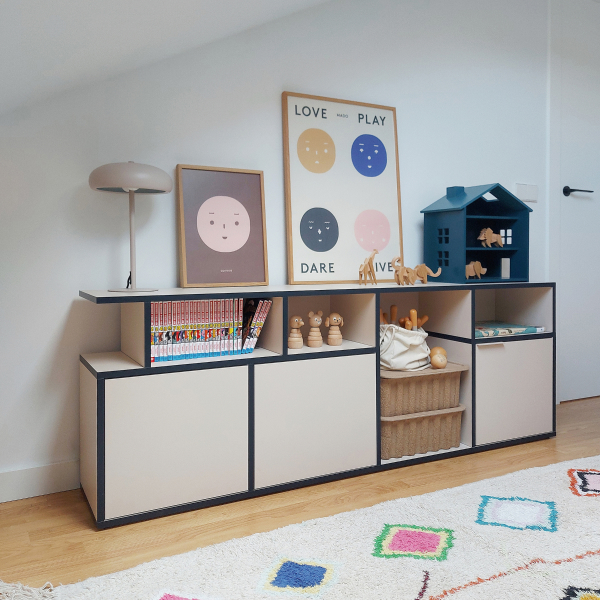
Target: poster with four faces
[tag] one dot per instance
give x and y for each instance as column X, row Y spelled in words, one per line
column 342, row 188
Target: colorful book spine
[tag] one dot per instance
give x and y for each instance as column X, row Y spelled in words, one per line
column 213, row 328
column 252, row 329
column 169, row 331
column 186, row 329
column 261, row 322
column 152, row 346
column 239, row 321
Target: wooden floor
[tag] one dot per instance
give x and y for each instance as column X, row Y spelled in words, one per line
column 53, row 538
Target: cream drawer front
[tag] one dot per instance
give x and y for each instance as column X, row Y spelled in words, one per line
column 514, row 390
column 314, row 417
column 175, row 438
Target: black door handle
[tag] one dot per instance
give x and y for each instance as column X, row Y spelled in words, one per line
column 567, row 190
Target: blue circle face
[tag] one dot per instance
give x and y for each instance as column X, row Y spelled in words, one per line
column 368, row 155
column 319, row 229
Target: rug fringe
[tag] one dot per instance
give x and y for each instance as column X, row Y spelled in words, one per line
column 18, row 591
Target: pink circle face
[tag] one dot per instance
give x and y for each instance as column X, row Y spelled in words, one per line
column 223, row 224
column 372, row 230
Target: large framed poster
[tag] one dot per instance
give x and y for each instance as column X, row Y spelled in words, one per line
column 343, row 193
column 222, row 239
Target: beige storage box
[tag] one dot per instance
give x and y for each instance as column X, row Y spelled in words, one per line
column 420, row 410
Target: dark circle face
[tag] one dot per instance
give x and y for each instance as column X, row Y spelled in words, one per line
column 369, row 155
column 319, row 229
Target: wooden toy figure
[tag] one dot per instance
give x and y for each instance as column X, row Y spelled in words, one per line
column 438, row 357
column 474, row 269
column 334, row 322
column 367, row 271
column 422, row 271
column 487, row 237
column 315, row 340
column 295, row 339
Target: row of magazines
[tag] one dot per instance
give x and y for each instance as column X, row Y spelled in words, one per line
column 188, row 329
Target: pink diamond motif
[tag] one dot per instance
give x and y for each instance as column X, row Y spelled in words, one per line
column 414, row 541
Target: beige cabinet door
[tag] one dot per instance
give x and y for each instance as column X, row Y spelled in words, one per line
column 514, row 390
column 175, row 438
column 314, row 417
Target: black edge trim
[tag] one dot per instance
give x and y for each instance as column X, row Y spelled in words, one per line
column 100, row 449
column 229, row 363
column 147, row 345
column 285, row 327
column 446, row 336
column 378, row 388
column 473, row 293
column 163, row 512
column 88, row 366
column 215, row 293
column 554, row 359
column 251, row 427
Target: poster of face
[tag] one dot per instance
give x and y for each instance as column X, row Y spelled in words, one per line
column 222, row 237
column 343, row 198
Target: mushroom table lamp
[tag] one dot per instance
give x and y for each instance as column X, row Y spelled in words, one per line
column 130, row 178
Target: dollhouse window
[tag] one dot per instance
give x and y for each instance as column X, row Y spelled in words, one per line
column 443, row 236
column 506, row 236
column 443, row 258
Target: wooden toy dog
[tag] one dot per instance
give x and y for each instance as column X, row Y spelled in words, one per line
column 314, row 340
column 487, row 237
column 295, row 339
column 474, row 269
column 334, row 322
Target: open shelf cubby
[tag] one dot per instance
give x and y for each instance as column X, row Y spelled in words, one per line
column 520, row 306
column 358, row 312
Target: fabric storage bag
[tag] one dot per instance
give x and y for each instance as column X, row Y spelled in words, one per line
column 402, row 349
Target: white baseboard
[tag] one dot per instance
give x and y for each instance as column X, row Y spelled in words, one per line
column 49, row 479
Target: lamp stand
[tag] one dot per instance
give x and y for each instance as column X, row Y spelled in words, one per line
column 132, row 250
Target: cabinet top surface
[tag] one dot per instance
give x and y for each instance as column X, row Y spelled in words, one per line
column 106, row 297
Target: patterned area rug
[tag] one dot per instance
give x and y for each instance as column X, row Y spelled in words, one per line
column 530, row 534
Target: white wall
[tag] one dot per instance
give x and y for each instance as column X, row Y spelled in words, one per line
column 468, row 78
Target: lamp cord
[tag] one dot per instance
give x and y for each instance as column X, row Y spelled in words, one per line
column 128, row 283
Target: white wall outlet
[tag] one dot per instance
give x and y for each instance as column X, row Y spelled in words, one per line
column 526, row 192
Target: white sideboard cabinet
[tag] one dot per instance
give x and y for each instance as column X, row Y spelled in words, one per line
column 162, row 438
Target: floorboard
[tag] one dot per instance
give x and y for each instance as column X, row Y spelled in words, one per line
column 53, row 538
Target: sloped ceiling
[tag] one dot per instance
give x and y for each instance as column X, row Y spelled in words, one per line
column 48, row 46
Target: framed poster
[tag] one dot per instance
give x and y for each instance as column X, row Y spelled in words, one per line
column 343, row 194
column 222, row 239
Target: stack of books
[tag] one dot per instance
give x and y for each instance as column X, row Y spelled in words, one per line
column 190, row 329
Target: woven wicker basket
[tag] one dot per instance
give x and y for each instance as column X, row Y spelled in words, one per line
column 420, row 410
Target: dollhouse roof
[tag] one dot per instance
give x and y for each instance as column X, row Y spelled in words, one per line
column 459, row 197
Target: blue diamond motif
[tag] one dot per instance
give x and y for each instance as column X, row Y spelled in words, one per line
column 298, row 575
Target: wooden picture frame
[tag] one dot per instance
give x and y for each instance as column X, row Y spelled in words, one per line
column 340, row 189
column 222, row 233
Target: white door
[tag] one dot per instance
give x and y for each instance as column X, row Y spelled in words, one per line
column 574, row 220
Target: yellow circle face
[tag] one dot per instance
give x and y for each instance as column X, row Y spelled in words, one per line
column 316, row 150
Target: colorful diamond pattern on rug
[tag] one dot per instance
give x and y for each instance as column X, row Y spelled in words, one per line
column 517, row 513
column 305, row 577
column 584, row 482
column 574, row 593
column 413, row 541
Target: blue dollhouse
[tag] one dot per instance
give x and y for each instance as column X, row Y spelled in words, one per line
column 484, row 224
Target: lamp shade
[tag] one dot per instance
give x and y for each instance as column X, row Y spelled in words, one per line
column 130, row 176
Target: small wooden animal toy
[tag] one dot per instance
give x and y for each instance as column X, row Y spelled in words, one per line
column 475, row 269
column 367, row 271
column 314, row 340
column 438, row 357
column 422, row 271
column 402, row 274
column 295, row 339
column 334, row 322
column 487, row 237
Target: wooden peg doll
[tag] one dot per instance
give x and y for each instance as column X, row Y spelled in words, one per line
column 315, row 340
column 334, row 322
column 295, row 339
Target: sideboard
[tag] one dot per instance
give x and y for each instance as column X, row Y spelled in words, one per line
column 167, row 437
